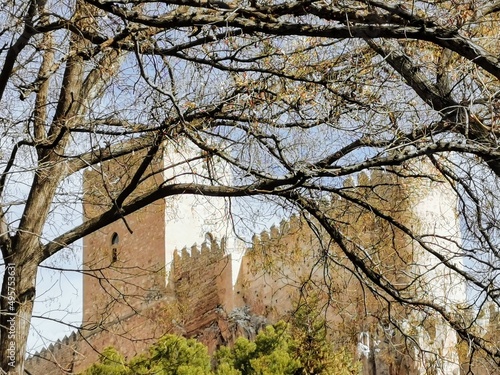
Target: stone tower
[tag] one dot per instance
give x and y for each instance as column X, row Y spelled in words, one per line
column 436, row 221
column 127, row 263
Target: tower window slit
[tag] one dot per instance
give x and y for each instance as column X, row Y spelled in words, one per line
column 115, row 239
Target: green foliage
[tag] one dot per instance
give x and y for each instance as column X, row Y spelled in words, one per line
column 111, row 363
column 270, row 354
column 277, row 350
column 171, row 355
column 342, row 363
column 313, row 347
column 227, row 369
column 174, row 355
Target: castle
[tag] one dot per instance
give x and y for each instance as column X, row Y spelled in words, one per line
column 140, row 281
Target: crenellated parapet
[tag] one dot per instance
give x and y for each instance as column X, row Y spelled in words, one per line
column 276, row 241
column 356, row 209
column 57, row 358
column 210, row 252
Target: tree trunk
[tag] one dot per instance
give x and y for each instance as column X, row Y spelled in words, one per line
column 18, row 294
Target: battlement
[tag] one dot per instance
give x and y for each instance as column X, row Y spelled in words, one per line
column 210, row 251
column 57, row 358
column 54, row 348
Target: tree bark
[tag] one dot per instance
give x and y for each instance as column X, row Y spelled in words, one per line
column 18, row 294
